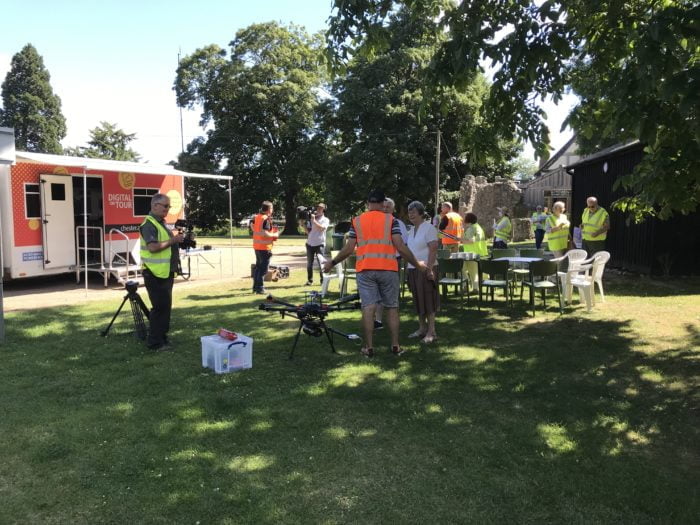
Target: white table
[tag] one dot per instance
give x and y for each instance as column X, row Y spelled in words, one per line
column 211, row 258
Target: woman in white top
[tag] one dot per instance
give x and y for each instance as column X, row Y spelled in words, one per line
column 423, row 243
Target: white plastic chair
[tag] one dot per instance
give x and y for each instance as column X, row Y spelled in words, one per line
column 587, row 277
column 335, row 273
column 597, row 275
column 576, row 259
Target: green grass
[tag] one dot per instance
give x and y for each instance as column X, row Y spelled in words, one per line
column 584, row 418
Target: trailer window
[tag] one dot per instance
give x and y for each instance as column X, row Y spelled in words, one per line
column 142, row 201
column 32, row 201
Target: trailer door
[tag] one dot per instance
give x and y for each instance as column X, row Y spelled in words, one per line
column 58, row 223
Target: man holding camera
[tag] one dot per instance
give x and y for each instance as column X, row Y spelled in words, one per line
column 316, row 241
column 160, row 258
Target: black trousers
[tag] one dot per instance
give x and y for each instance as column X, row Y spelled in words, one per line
column 160, row 292
column 262, row 263
column 311, row 252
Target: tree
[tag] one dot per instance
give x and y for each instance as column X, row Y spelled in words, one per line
column 107, row 142
column 635, row 64
column 30, row 105
column 386, row 124
column 261, row 100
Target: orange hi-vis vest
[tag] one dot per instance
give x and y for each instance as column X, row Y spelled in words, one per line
column 454, row 227
column 375, row 251
column 260, row 241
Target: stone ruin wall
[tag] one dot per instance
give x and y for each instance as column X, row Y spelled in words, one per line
column 480, row 197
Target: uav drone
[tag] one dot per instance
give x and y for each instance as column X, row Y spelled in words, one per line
column 312, row 315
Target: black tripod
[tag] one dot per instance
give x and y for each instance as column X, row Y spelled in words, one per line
column 138, row 309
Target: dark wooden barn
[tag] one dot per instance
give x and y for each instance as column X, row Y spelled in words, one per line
column 653, row 247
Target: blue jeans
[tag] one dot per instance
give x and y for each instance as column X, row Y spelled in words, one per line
column 262, row 263
column 539, row 237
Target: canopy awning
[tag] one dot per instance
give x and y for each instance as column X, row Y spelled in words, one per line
column 110, row 165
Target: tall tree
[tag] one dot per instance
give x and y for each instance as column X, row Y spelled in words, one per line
column 261, row 100
column 635, row 63
column 386, row 124
column 30, row 105
column 107, row 141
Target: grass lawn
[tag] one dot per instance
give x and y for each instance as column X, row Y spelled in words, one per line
column 583, row 418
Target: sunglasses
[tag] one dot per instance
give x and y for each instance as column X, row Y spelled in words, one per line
column 166, row 206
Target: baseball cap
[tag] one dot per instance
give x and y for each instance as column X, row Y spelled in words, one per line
column 376, row 196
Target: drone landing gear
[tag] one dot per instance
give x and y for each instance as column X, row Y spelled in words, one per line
column 319, row 325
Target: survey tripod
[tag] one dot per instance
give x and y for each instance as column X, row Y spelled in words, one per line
column 312, row 316
column 139, row 311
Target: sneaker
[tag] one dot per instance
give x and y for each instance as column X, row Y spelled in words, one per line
column 378, row 325
column 397, row 350
column 309, row 283
column 165, row 347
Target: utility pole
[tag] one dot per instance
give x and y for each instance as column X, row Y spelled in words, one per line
column 437, row 176
column 182, row 133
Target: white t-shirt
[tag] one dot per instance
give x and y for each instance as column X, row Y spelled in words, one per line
column 418, row 239
column 317, row 236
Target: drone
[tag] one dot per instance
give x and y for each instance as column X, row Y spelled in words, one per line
column 312, row 315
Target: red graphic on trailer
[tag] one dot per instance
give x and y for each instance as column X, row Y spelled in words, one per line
column 118, row 193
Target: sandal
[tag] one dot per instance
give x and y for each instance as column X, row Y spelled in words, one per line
column 397, row 350
column 416, row 335
column 429, row 339
column 367, row 352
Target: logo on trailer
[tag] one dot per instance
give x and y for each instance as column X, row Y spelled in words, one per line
column 127, row 180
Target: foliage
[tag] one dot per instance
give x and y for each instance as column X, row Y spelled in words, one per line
column 634, row 63
column 107, row 141
column 261, row 101
column 207, row 203
column 581, row 418
column 30, row 105
column 384, row 124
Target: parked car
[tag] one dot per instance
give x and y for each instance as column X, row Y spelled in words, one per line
column 247, row 222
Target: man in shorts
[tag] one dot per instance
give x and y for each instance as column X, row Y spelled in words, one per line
column 377, row 236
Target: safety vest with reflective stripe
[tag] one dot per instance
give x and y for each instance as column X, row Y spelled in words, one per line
column 506, row 228
column 558, row 240
column 158, row 262
column 454, row 227
column 475, row 232
column 375, row 251
column 260, row 241
column 537, row 216
column 593, row 222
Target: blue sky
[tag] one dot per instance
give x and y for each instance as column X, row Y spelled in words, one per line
column 115, row 60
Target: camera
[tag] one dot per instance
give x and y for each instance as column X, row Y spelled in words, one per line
column 304, row 213
column 185, row 227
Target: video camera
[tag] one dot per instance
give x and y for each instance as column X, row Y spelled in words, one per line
column 185, row 227
column 304, row 213
column 312, row 314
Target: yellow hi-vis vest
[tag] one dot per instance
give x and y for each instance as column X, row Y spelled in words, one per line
column 504, row 233
column 157, row 262
column 558, row 240
column 593, row 222
column 475, row 232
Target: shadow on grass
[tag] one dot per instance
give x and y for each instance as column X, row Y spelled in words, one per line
column 507, row 419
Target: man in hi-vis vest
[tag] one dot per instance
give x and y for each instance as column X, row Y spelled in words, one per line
column 264, row 234
column 160, row 258
column 595, row 224
column 451, row 224
column 377, row 236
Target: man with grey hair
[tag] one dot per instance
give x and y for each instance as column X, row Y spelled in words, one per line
column 160, row 258
column 595, row 223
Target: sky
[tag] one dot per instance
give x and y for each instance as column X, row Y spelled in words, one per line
column 115, row 61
